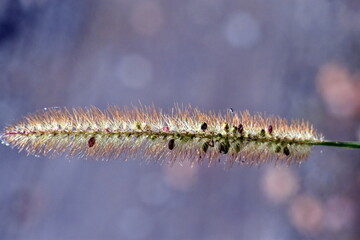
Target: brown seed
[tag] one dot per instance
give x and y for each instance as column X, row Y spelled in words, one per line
column 237, row 147
column 203, row 126
column 138, row 125
column 262, row 133
column 240, row 128
column 171, row 144
column 277, row 149
column 234, row 129
column 270, row 129
column 286, row 151
column 91, row 142
column 224, row 147
column 226, row 127
column 205, row 147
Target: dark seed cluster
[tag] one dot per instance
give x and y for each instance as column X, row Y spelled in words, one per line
column 224, row 147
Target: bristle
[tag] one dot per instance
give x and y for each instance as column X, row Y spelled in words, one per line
column 184, row 134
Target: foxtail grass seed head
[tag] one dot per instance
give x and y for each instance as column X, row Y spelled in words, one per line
column 183, row 134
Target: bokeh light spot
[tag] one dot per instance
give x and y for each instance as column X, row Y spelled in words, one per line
column 147, row 18
column 180, row 177
column 340, row 213
column 135, row 71
column 338, row 89
column 279, row 184
column 306, row 213
column 242, row 30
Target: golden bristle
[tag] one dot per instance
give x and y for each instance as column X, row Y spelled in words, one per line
column 183, row 134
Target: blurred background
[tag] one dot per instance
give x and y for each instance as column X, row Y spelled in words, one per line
column 296, row 59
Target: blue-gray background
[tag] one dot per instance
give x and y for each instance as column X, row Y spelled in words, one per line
column 293, row 58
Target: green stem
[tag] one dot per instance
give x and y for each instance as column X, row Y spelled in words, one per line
column 338, row 144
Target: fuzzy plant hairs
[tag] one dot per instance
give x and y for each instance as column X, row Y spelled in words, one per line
column 182, row 134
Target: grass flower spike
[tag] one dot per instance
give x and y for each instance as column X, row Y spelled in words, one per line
column 183, row 134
